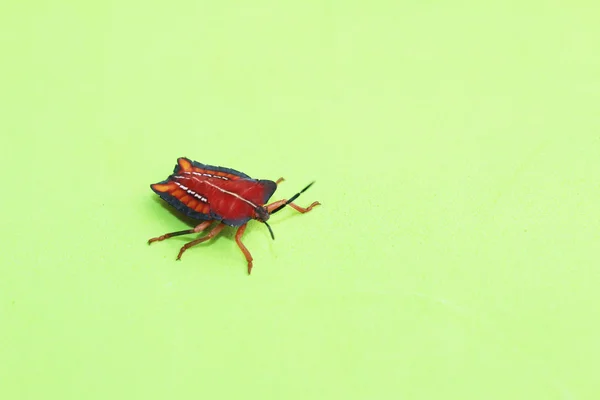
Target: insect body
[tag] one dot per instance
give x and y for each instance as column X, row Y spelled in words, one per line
column 223, row 195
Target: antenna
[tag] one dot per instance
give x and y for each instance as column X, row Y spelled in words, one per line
column 270, row 230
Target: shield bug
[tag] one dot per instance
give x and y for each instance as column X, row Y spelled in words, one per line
column 220, row 196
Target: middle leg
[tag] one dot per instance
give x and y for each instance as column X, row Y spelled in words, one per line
column 238, row 240
column 214, row 232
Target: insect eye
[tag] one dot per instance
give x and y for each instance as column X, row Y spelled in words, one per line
column 262, row 213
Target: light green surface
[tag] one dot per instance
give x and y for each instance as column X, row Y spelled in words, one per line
column 455, row 147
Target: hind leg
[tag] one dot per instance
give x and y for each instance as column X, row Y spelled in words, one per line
column 197, row 229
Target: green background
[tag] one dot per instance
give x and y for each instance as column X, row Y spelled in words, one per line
column 455, row 145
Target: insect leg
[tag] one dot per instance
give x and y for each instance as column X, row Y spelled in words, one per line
column 296, row 207
column 278, row 181
column 214, row 232
column 197, row 229
column 238, row 239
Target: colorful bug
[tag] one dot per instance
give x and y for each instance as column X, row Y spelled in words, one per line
column 223, row 195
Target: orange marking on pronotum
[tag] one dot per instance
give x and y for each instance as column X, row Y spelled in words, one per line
column 161, row 187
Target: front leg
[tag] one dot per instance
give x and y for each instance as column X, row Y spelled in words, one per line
column 296, row 207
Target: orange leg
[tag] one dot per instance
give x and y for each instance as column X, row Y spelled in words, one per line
column 278, row 181
column 296, row 207
column 197, row 229
column 238, row 239
column 214, row 232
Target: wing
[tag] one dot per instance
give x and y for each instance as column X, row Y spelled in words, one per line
column 180, row 191
column 206, row 192
column 192, row 204
column 185, row 200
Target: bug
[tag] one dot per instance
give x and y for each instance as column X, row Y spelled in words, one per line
column 223, row 196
